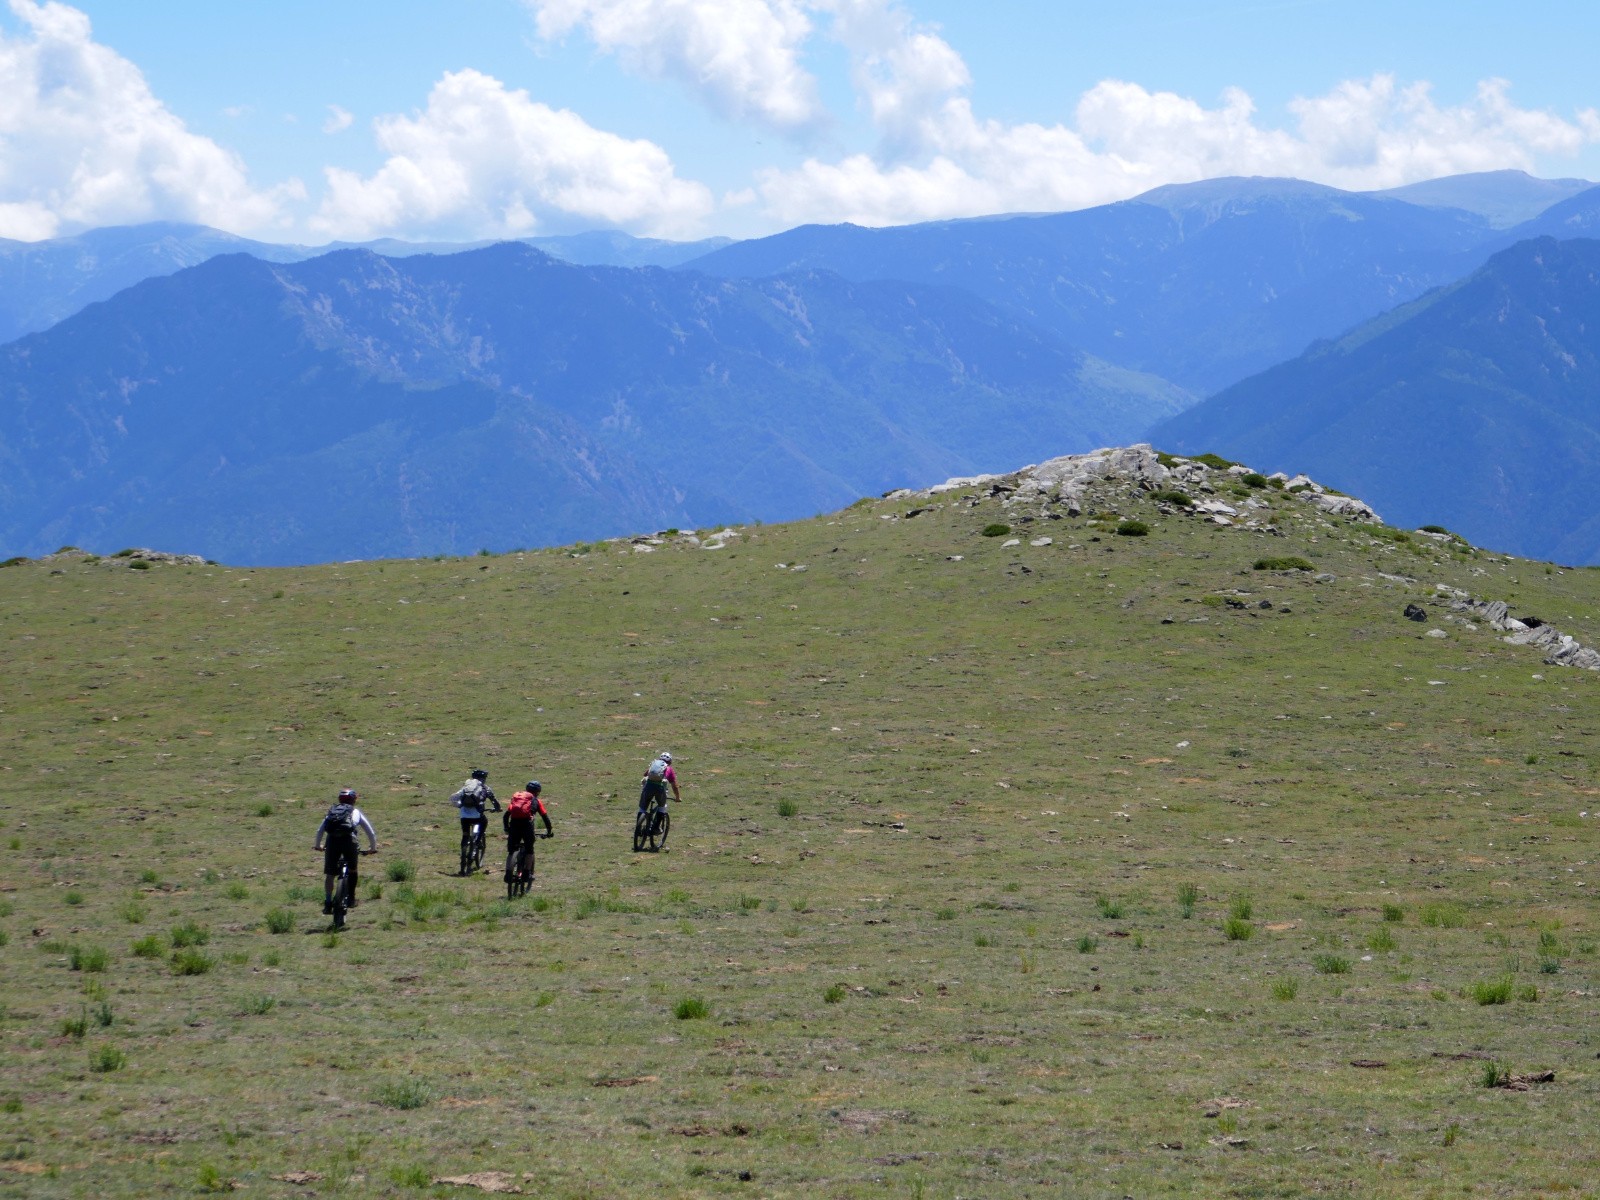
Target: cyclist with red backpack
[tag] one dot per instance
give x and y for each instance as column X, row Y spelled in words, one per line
column 517, row 821
column 338, row 830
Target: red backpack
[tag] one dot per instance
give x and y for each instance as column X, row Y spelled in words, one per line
column 521, row 807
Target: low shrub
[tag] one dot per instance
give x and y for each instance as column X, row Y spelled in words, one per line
column 400, row 871
column 1393, row 913
column 191, row 962
column 1382, row 942
column 1253, row 479
column 190, row 934
column 1110, row 909
column 1285, row 989
column 1088, row 944
column 403, row 1094
column 1289, row 562
column 834, row 994
column 1132, row 528
column 1241, row 907
column 138, row 564
column 996, row 530
column 90, row 959
column 1331, row 964
column 1173, row 496
column 1215, row 461
column 149, row 947
column 107, row 1058
column 1188, row 896
column 1235, row 929
column 788, row 808
column 1494, row 991
column 1443, row 915
column 260, row 1006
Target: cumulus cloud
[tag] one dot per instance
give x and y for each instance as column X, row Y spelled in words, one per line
column 339, row 119
column 740, row 55
column 937, row 158
column 494, row 163
column 83, row 141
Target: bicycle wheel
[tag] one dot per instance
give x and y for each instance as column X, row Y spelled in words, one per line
column 341, row 896
column 528, row 861
column 641, row 829
column 476, row 859
column 466, row 855
column 662, row 825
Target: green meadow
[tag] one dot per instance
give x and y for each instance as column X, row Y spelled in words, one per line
column 1109, row 867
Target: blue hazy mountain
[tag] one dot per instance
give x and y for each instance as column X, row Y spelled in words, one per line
column 1476, row 407
column 1502, row 198
column 352, row 405
column 1202, row 283
column 44, row 282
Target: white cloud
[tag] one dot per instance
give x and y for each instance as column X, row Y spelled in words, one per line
column 83, row 141
column 339, row 119
column 937, row 159
column 740, row 55
column 491, row 162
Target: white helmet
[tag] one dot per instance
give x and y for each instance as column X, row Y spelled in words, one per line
column 665, row 757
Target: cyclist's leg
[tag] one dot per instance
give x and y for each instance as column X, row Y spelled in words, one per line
column 330, row 873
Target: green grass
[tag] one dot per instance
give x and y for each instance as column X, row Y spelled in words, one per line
column 1494, row 991
column 691, row 1008
column 871, row 693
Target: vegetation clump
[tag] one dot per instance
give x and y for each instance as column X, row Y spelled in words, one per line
column 1173, row 496
column 1132, row 528
column 1288, row 562
column 1253, row 479
column 995, row 529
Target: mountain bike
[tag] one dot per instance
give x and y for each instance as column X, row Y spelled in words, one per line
column 343, row 892
column 519, row 873
column 650, row 826
column 472, row 849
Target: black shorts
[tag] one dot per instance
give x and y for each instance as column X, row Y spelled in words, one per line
column 469, row 826
column 337, row 850
column 519, row 835
column 654, row 789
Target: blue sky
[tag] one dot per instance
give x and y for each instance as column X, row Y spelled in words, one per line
column 681, row 118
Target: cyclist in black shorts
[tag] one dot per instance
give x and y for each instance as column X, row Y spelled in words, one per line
column 517, row 821
column 339, row 830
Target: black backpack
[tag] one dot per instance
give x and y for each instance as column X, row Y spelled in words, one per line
column 342, row 819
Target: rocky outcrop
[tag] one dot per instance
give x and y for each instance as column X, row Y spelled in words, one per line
column 1066, row 481
column 1560, row 649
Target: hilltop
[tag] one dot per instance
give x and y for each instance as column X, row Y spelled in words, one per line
column 1020, row 853
column 1472, row 407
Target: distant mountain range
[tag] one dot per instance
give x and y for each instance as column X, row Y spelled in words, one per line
column 1474, row 407
column 1202, row 284
column 359, row 406
column 45, row 282
column 270, row 403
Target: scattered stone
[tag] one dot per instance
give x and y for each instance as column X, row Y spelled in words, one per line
column 1009, row 542
column 1041, row 541
column 485, row 1181
column 1415, row 612
column 1436, row 633
column 1368, row 1064
column 1524, row 1083
column 299, row 1177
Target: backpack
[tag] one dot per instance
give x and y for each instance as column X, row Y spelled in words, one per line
column 521, row 807
column 342, row 819
column 472, row 793
column 657, row 771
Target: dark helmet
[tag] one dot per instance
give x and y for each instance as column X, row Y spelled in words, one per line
column 533, row 786
column 348, row 796
column 480, row 774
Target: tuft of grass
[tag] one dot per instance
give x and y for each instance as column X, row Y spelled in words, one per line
column 1286, row 562
column 1494, row 991
column 691, row 1008
column 1331, row 964
column 1188, row 897
column 403, row 1094
column 996, row 529
column 1173, row 496
column 104, row 1015
column 263, row 810
column 1493, row 1075
column 1443, row 915
column 1285, row 989
column 1241, row 907
column 788, row 808
column 1131, row 528
column 134, row 912
column 236, row 891
column 834, row 994
column 1393, row 914
column 400, row 871
column 107, row 1058
column 749, row 903
column 279, row 920
column 149, row 947
column 73, row 898
column 191, row 962
column 945, row 914
column 1237, row 930
column 90, row 959
column 1088, row 944
column 75, row 1027
column 411, row 1177
column 982, row 939
column 1110, row 909
column 260, row 1005
column 1382, row 942
column 1528, row 993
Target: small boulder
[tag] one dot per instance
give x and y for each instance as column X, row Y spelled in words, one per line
column 1415, row 612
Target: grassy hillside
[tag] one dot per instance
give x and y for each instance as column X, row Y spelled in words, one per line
column 962, row 965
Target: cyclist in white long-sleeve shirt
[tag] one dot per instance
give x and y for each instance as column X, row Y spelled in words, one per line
column 338, row 830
